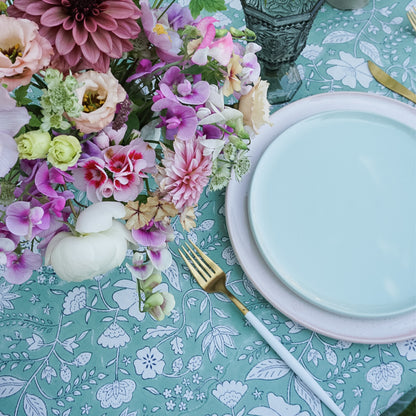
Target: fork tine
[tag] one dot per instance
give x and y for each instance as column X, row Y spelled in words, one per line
column 211, row 263
column 411, row 14
column 194, row 272
column 203, row 268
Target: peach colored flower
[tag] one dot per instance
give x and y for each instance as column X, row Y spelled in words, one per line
column 99, row 93
column 232, row 81
column 23, row 51
column 255, row 107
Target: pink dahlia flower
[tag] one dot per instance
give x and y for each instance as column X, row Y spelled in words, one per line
column 84, row 34
column 185, row 174
column 23, row 51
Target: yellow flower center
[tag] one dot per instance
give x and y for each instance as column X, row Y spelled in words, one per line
column 91, row 102
column 160, row 29
column 12, row 53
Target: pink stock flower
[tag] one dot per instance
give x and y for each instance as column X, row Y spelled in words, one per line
column 12, row 119
column 185, row 174
column 219, row 49
column 20, row 268
column 160, row 34
column 84, row 34
column 105, row 92
column 23, row 51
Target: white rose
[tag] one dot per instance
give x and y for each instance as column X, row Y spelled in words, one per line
column 101, row 246
column 255, row 107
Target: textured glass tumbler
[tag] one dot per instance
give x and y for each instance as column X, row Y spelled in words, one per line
column 282, row 28
column 348, row 4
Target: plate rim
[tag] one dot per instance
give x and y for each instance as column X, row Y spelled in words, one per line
column 360, row 330
column 294, row 285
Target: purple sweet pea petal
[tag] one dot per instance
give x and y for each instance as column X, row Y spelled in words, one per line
column 160, row 258
column 198, row 95
column 20, row 269
column 150, row 237
column 173, row 76
column 17, row 217
column 145, row 68
column 179, row 16
column 42, row 181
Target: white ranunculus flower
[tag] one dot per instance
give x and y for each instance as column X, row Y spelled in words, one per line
column 101, row 246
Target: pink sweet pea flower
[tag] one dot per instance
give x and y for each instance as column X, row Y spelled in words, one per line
column 20, row 268
column 159, row 305
column 24, row 220
column 154, row 234
column 176, row 87
column 139, row 269
column 220, row 49
column 160, row 257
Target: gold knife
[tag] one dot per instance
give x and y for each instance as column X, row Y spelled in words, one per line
column 389, row 82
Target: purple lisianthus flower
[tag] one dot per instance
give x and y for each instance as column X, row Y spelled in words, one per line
column 145, row 67
column 180, row 121
column 20, row 268
column 12, row 119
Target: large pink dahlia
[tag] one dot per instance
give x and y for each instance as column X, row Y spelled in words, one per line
column 185, row 174
column 84, row 33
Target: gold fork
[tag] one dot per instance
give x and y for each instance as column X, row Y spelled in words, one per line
column 411, row 14
column 212, row 279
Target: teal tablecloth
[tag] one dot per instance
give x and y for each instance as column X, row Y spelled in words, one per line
column 84, row 349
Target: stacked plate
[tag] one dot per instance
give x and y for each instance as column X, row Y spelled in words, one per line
column 324, row 225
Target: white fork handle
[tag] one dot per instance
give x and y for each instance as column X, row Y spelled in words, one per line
column 294, row 364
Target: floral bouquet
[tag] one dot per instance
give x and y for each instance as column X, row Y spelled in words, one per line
column 114, row 117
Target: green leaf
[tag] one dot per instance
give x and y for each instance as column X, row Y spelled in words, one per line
column 210, row 73
column 211, row 6
column 20, row 95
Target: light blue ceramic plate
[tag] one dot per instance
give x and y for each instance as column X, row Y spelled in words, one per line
column 332, row 207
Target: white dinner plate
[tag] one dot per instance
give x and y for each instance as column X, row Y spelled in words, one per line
column 345, row 310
